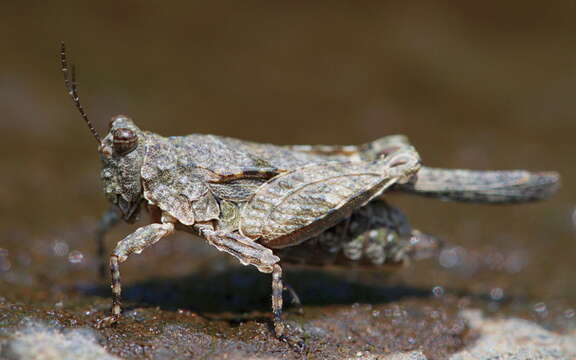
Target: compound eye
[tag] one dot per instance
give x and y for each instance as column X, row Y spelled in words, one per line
column 124, row 140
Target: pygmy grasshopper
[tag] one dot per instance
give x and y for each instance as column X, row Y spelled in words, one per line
column 266, row 204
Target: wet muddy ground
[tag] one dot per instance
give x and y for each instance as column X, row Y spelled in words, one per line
column 184, row 298
column 473, row 87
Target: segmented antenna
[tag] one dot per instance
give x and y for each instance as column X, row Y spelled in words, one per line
column 70, row 83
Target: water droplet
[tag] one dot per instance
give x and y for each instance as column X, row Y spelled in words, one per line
column 438, row 291
column 496, row 294
column 541, row 309
column 450, row 258
column 75, row 257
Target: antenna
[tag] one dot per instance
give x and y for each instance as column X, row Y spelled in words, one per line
column 70, row 83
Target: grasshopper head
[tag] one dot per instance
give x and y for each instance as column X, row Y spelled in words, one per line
column 122, row 155
column 121, row 151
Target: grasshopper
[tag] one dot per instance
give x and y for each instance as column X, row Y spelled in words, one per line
column 267, row 205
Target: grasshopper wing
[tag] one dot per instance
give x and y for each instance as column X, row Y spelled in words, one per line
column 297, row 205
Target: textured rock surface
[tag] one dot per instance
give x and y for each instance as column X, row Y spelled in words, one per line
column 515, row 339
column 36, row 341
column 499, row 339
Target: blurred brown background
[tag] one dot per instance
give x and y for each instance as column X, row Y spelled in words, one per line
column 473, row 84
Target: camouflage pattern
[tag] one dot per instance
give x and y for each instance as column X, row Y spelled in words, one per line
column 266, row 204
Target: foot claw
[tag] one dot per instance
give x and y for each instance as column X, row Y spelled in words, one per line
column 108, row 321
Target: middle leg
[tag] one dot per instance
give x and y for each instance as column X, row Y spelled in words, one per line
column 249, row 252
column 277, row 303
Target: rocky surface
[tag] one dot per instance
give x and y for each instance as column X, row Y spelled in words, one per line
column 212, row 308
column 515, row 339
column 496, row 339
column 37, row 341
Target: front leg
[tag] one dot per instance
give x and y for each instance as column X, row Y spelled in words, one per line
column 133, row 243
